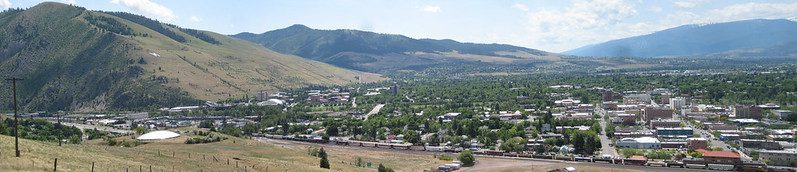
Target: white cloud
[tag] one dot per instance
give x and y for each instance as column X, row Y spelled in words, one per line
column 581, row 22
column 73, row 2
column 5, row 4
column 689, row 3
column 752, row 11
column 195, row 19
column 656, row 9
column 149, row 7
column 521, row 7
column 431, row 8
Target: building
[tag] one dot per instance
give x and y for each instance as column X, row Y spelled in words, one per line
column 778, row 157
column 636, row 99
column 677, row 103
column 696, row 143
column 394, row 89
column 769, row 106
column 664, row 123
column 665, row 98
column 567, row 102
column 626, row 119
column 674, row 132
column 781, row 113
column 761, row 144
column 261, row 96
column 720, row 126
column 745, row 111
column 721, row 157
column 652, row 113
column 639, row 143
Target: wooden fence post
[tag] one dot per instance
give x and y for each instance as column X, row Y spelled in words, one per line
column 92, row 166
column 55, row 165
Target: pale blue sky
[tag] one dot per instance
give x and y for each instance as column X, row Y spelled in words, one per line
column 541, row 24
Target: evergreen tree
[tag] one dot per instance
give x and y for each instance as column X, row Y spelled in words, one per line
column 324, row 162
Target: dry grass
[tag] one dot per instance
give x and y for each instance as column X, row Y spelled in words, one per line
column 256, row 156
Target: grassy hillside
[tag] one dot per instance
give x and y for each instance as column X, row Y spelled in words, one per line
column 73, row 58
column 39, row 156
column 368, row 51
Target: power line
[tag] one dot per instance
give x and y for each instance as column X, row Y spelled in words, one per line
column 16, row 121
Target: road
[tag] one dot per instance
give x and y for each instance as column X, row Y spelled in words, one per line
column 101, row 128
column 606, row 149
column 376, row 110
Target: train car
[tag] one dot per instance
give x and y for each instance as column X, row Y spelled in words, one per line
column 493, row 153
column 584, row 159
column 636, row 160
column 542, row 156
column 671, row 163
column 720, row 167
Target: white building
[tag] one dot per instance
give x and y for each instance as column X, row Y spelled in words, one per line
column 677, row 103
column 639, row 143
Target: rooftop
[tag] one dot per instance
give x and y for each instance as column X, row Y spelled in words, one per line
column 719, row 154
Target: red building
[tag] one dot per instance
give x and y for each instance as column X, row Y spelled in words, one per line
column 720, row 157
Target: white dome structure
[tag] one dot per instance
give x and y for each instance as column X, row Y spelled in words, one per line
column 158, row 135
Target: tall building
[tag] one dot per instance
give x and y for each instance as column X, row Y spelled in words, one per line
column 677, row 103
column 653, row 113
column 747, row 111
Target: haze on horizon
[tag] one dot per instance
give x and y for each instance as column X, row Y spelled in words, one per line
column 539, row 24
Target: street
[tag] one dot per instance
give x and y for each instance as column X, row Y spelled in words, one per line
column 606, row 149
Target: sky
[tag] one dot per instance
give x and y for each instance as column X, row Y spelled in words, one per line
column 554, row 26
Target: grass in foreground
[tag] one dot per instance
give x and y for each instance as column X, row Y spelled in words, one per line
column 173, row 154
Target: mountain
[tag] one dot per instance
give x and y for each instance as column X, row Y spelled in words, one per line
column 369, row 51
column 697, row 40
column 77, row 59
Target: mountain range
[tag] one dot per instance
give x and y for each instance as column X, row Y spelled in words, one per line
column 374, row 52
column 78, row 59
column 746, row 38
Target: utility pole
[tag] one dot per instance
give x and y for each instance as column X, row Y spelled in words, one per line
column 16, row 121
column 60, row 132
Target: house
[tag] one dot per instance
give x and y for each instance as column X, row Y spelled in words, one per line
column 639, row 143
column 778, row 157
column 720, row 157
column 696, row 143
column 506, row 116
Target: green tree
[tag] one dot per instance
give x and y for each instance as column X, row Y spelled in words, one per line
column 324, row 162
column 516, row 144
column 467, row 159
column 382, row 168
